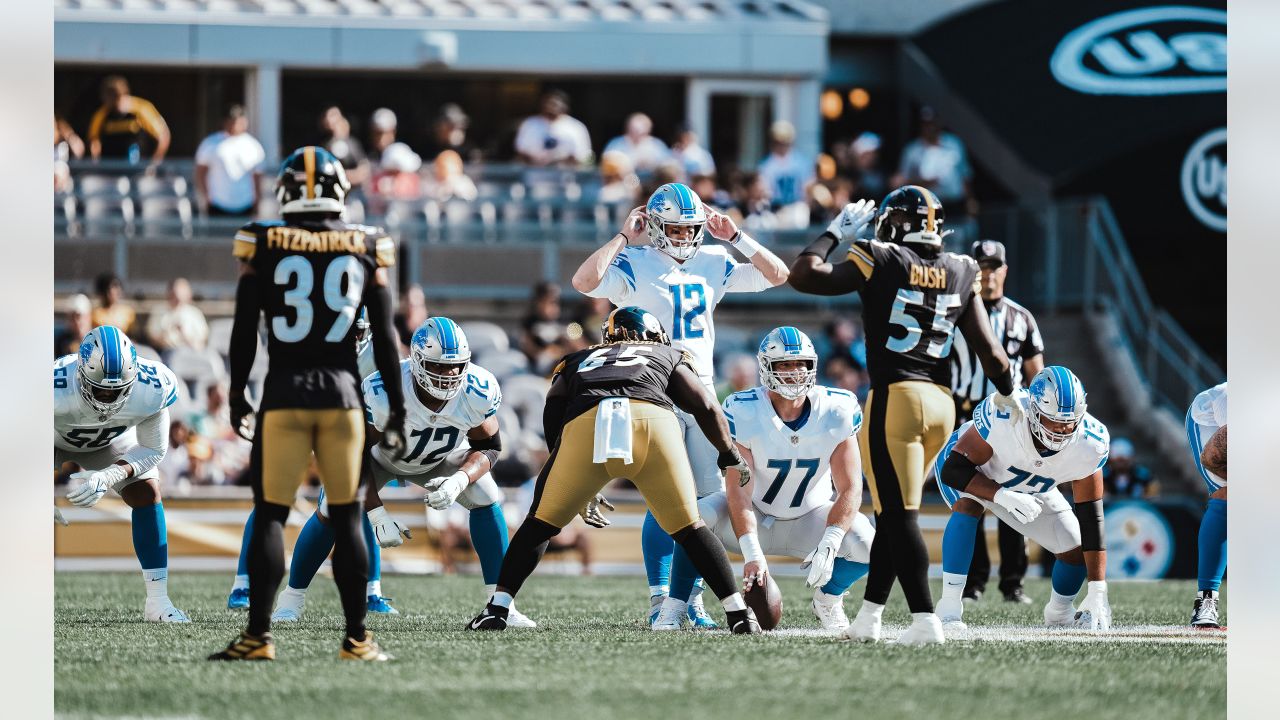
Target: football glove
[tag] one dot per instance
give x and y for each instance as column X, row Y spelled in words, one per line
column 1022, row 506
column 243, row 419
column 1096, row 605
column 821, row 560
column 392, row 442
column 386, row 530
column 57, row 517
column 1007, row 405
column 852, row 219
column 442, row 491
column 94, row 484
column 732, row 459
column 591, row 514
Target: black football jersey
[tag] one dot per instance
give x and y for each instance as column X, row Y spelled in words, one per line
column 911, row 300
column 638, row 370
column 312, row 278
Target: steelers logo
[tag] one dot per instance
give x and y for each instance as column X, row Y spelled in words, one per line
column 1140, row 542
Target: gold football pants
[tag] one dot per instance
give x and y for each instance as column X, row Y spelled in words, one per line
column 289, row 436
column 660, row 470
column 907, row 424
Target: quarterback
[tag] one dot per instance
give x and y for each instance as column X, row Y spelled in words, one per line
column 111, row 418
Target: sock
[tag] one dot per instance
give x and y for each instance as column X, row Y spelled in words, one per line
column 676, row 606
column 241, row 582
column 911, row 560
column 525, row 552
column 489, row 538
column 920, row 616
column 1060, row 601
column 1068, row 578
column 157, row 582
column 150, row 539
column 958, row 541
column 242, row 564
column 292, row 596
column 375, row 555
column 309, row 552
column 373, row 587
column 266, row 563
column 880, row 578
column 734, row 603
column 873, row 609
column 657, row 547
column 953, row 585
column 709, row 557
column 1212, row 545
column 683, row 575
column 502, row 600
column 350, row 564
column 844, row 575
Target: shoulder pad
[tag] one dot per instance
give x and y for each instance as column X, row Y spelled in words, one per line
column 481, row 392
column 845, row 404
column 984, row 417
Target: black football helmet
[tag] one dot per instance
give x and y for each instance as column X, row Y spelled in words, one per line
column 910, row 214
column 312, row 180
column 632, row 324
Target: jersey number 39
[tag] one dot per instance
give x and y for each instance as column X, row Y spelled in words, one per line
column 297, row 269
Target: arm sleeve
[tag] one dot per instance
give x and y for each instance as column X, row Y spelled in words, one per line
column 244, row 332
column 385, row 353
column 553, row 412
column 957, row 471
column 690, row 395
column 153, row 443
column 150, row 119
column 1092, row 529
column 744, row 278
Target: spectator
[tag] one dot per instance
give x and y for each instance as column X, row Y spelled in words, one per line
column 180, row 324
column 544, row 334
column 449, row 132
column 338, row 140
column 382, row 133
column 411, row 314
column 552, row 137
column 743, row 374
column 868, row 175
column 755, row 204
column 112, row 308
column 228, row 168
column 447, row 180
column 639, row 144
column 705, row 187
column 176, row 466
column 123, row 123
column 397, row 178
column 839, row 371
column 938, row 160
column 619, row 183
column 1123, row 476
column 79, row 322
column 66, row 145
column 693, row 157
column 785, row 171
column 827, row 198
column 843, row 337
column 227, row 457
column 591, row 319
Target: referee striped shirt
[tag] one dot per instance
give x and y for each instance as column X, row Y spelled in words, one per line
column 1014, row 328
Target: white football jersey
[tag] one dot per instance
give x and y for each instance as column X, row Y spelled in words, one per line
column 76, row 427
column 1209, row 413
column 1018, row 465
column 365, row 363
column 430, row 437
column 791, row 469
column 682, row 296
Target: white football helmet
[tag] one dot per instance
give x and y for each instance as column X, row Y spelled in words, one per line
column 438, row 345
column 787, row 343
column 107, row 370
column 1056, row 395
column 675, row 204
column 364, row 330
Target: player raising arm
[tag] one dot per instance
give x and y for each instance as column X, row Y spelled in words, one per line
column 1012, row 465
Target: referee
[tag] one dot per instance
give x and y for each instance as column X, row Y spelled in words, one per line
column 1015, row 328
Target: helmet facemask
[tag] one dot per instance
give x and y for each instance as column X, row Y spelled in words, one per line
column 106, row 400
column 678, row 248
column 791, row 384
column 432, row 376
column 1052, row 439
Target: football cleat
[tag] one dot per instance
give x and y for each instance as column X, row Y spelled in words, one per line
column 381, row 605
column 491, row 618
column 671, row 616
column 745, row 626
column 238, row 599
column 1017, row 595
column 925, row 630
column 1205, row 614
column 950, row 610
column 161, row 610
column 1055, row 616
column 517, row 619
column 971, row 595
column 366, row 650
column 248, row 647
column 289, row 606
column 697, row 613
column 655, row 606
column 287, row 614
column 830, row 611
column 865, row 626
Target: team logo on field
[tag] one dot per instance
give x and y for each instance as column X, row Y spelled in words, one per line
column 1139, row 541
column 1204, row 179
column 1164, row 50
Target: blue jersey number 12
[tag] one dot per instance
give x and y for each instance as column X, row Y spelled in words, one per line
column 688, row 302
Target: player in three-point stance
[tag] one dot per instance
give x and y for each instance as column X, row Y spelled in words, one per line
column 659, row 263
column 111, row 417
column 1012, row 465
column 451, row 422
column 309, row 275
column 1207, row 435
column 800, row 440
column 914, row 296
column 610, row 413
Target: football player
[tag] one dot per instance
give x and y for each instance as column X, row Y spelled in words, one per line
column 451, row 421
column 610, row 413
column 659, row 263
column 111, row 418
column 914, row 295
column 309, row 274
column 1012, row 464
column 799, row 439
column 1207, row 434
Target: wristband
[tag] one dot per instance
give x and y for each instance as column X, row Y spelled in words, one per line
column 1098, row 586
column 116, row 473
column 745, row 244
column 378, row 514
column 835, row 534
column 728, row 458
column 750, row 546
column 1004, row 383
column 822, row 247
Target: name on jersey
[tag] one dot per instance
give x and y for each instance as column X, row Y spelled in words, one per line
column 292, row 239
column 928, row 277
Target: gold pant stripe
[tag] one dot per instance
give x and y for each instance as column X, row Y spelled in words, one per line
column 659, row 469
column 289, row 437
column 907, row 425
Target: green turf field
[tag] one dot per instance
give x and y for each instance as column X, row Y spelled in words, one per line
column 591, row 658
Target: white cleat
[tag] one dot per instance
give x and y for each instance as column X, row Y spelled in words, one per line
column 672, row 616
column 161, row 610
column 1059, row 616
column 830, row 611
column 951, row 610
column 517, row 619
column 865, row 627
column 289, row 607
column 923, row 631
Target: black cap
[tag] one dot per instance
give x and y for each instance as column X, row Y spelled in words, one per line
column 988, row 252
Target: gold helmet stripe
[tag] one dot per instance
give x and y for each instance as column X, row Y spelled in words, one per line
column 931, row 224
column 309, row 162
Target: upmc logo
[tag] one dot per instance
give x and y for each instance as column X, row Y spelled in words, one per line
column 1166, row 50
column 1204, row 179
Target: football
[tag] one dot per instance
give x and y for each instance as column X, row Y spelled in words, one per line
column 766, row 601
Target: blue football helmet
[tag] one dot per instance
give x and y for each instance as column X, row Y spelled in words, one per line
column 107, row 370
column 438, row 346
column 1056, row 396
column 674, row 204
column 782, row 344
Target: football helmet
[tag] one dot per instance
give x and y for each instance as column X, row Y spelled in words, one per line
column 312, row 180
column 364, row 330
column 107, row 370
column 910, row 214
column 633, row 324
column 674, row 204
column 437, row 346
column 782, row 344
column 1056, row 395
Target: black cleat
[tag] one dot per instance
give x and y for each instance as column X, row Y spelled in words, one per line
column 971, row 594
column 492, row 617
column 248, row 647
column 1017, row 595
column 743, row 622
